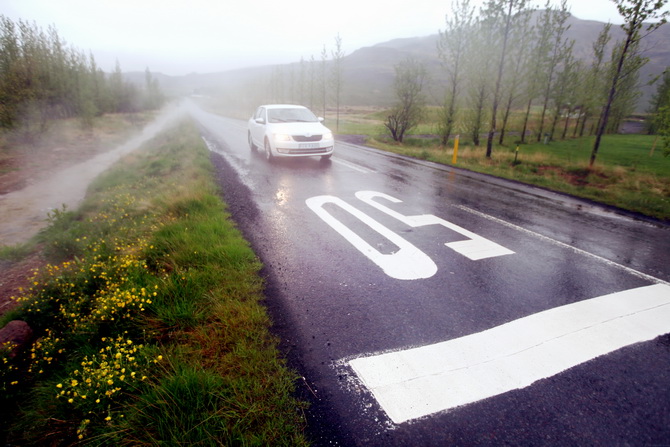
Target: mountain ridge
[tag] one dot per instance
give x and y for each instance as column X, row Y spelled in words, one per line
column 368, row 72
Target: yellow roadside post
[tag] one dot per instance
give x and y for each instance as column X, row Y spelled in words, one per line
column 455, row 157
column 516, row 154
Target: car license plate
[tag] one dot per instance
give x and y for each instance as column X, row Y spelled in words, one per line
column 308, row 146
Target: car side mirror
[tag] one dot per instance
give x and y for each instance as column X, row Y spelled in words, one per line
column 321, row 119
column 260, row 120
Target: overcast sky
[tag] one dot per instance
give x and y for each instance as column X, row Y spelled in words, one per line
column 177, row 37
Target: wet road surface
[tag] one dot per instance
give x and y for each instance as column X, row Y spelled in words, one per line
column 430, row 306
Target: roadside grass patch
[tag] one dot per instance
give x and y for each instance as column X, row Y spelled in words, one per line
column 148, row 323
column 15, row 252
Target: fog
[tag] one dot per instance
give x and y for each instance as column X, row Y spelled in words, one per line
column 25, row 210
column 180, row 37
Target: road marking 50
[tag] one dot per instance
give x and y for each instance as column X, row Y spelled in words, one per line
column 408, row 262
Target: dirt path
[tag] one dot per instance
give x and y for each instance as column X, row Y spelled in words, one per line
column 23, row 212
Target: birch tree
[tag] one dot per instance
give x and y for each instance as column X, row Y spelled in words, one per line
column 635, row 13
column 500, row 16
column 594, row 83
column 336, row 78
column 452, row 48
column 323, row 84
column 519, row 67
column 410, row 79
column 541, row 35
column 558, row 51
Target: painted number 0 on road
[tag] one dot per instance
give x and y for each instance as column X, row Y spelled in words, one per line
column 408, row 262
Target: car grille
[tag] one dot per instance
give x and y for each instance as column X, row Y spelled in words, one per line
column 320, row 150
column 303, row 138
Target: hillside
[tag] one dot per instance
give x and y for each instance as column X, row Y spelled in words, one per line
column 369, row 71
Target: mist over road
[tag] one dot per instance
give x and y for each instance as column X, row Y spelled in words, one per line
column 425, row 305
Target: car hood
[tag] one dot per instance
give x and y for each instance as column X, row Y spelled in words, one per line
column 299, row 128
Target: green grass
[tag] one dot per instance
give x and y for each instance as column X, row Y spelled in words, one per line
column 15, row 252
column 149, row 319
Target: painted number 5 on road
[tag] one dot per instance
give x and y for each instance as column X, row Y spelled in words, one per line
column 408, row 262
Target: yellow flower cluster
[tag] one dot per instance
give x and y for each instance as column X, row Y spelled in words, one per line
column 78, row 296
column 117, row 368
column 114, row 369
column 44, row 352
column 115, row 299
column 105, row 287
column 105, row 293
column 7, row 368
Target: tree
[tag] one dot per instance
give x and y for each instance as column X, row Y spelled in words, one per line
column 562, row 92
column 312, row 82
column 558, row 51
column 452, row 48
column 663, row 123
column 500, row 15
column 593, row 88
column 324, row 76
column 42, row 79
column 336, row 79
column 9, row 79
column 478, row 70
column 302, row 81
column 628, row 90
column 277, row 84
column 520, row 66
column 634, row 13
column 659, row 100
column 153, row 96
column 410, row 77
column 541, row 35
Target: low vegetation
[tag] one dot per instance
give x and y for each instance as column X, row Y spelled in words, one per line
column 148, row 323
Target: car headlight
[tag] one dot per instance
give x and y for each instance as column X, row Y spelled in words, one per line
column 327, row 136
column 282, row 137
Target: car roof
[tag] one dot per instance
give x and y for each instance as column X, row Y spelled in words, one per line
column 283, row 106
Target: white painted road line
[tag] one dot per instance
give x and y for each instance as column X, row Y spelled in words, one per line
column 421, row 381
column 407, row 263
column 474, row 248
column 353, row 166
column 564, row 245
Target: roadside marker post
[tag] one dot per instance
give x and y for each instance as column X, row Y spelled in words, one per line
column 516, row 154
column 455, row 157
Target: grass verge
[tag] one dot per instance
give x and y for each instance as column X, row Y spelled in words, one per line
column 148, row 323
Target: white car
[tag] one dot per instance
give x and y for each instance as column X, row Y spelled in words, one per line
column 284, row 130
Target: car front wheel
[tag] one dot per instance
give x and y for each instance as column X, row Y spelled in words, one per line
column 252, row 146
column 268, row 151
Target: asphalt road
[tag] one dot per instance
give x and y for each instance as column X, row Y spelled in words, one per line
column 426, row 305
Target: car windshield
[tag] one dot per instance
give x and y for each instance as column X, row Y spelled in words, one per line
column 291, row 115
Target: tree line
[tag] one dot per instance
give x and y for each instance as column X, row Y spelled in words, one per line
column 314, row 82
column 43, row 79
column 511, row 58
